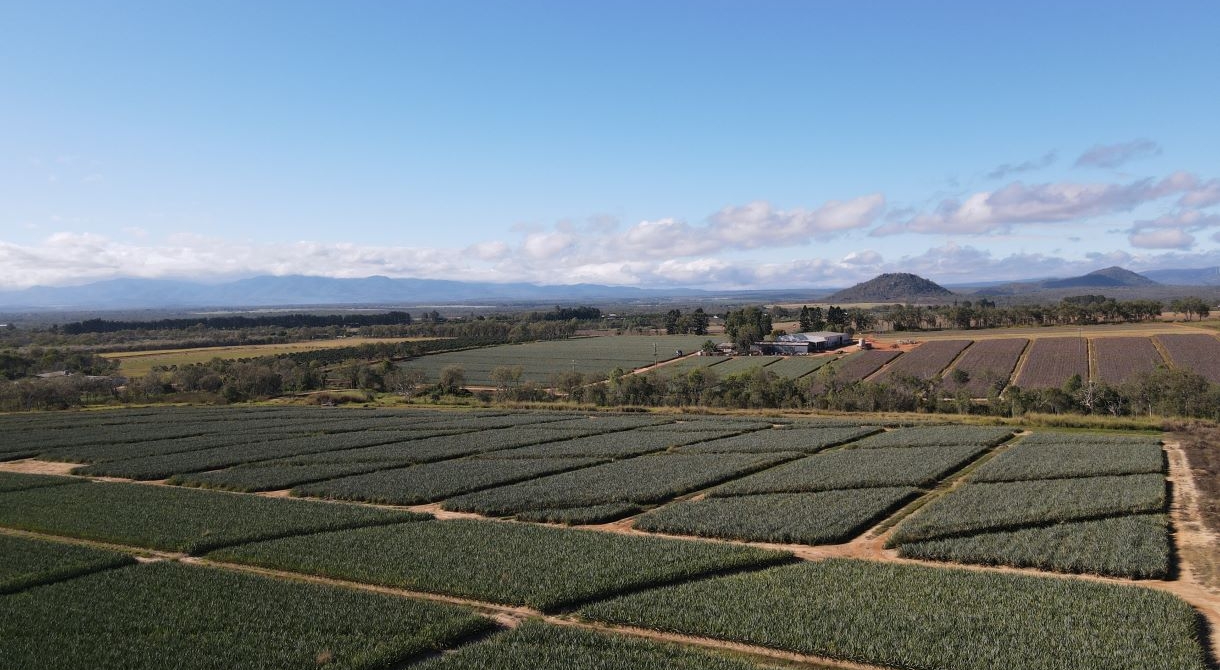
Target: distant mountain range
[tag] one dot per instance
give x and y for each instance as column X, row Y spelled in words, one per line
column 1187, row 277
column 291, row 290
column 301, row 290
column 1111, row 277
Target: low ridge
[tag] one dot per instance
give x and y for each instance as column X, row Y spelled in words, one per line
column 1108, row 277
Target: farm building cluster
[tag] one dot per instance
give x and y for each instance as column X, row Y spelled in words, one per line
column 801, row 343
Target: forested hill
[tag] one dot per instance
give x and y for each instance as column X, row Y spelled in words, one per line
column 893, row 287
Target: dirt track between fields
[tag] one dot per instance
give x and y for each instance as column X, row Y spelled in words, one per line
column 29, row 466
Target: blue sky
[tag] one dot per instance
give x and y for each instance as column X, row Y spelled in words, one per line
column 727, row 144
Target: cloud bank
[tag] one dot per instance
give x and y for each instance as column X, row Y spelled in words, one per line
column 1173, row 222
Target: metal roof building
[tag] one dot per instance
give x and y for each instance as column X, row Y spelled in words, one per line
column 802, row 343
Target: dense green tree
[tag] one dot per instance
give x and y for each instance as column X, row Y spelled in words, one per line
column 747, row 326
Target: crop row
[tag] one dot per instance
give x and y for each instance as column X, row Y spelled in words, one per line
column 986, row 366
column 392, row 449
column 12, row 481
column 331, row 422
column 120, row 451
column 436, row 481
column 1053, row 360
column 124, row 442
column 936, row 436
column 1198, row 353
column 539, row 360
column 1095, row 439
column 474, row 422
column 855, row 468
column 1134, row 547
column 31, row 562
column 739, row 425
column 168, row 614
column 266, row 475
column 175, row 519
column 925, row 361
column 975, row 508
column 827, row 517
column 856, row 366
column 609, row 423
column 581, row 516
column 515, row 564
column 687, row 365
column 1120, row 359
column 643, row 480
column 1039, row 460
column 613, row 445
column 165, row 465
column 793, row 438
column 738, row 364
column 540, row 646
column 795, row 367
column 917, row 617
column 170, row 415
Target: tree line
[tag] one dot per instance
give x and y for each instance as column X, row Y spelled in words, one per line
column 1071, row 311
column 1160, row 393
column 36, row 360
column 695, row 323
column 234, row 322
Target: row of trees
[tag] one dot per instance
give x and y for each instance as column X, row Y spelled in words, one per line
column 35, row 360
column 237, row 322
column 835, row 318
column 747, row 326
column 1161, row 393
column 1076, row 310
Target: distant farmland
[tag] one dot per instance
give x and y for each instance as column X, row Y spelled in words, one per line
column 139, row 363
column 974, row 365
column 540, row 360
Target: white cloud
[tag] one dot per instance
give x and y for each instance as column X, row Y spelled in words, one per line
column 1007, row 169
column 866, row 257
column 991, row 211
column 1171, row 231
column 1115, row 155
column 758, row 224
column 1202, row 195
column 1162, row 238
column 662, row 251
column 490, row 251
column 548, row 245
